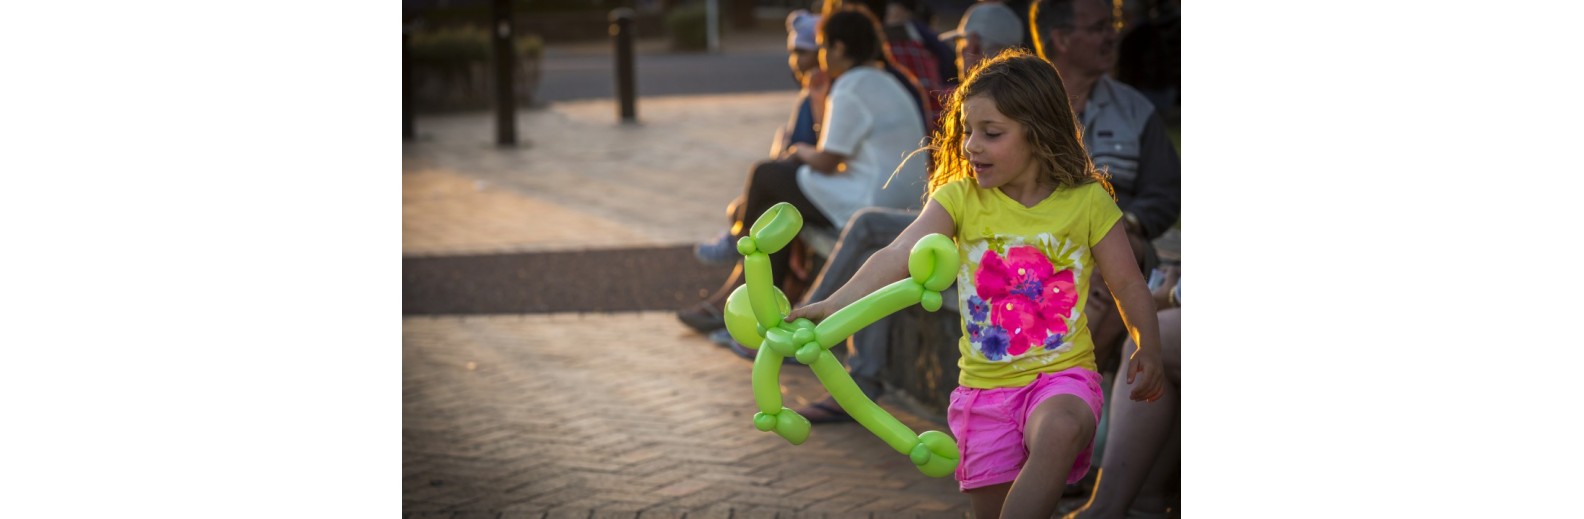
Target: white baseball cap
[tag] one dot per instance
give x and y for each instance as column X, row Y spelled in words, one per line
column 995, row 23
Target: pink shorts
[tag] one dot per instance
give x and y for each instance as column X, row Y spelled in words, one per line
column 988, row 424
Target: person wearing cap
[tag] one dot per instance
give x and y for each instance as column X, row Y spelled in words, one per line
column 803, row 59
column 1125, row 137
column 803, row 127
column 1122, row 132
column 985, row 30
column 873, row 117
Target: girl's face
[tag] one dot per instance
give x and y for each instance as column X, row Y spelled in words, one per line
column 995, row 145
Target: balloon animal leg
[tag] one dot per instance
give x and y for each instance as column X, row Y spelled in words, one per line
column 773, row 416
column 756, row 313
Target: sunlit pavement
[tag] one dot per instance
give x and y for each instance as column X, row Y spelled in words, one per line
column 619, row 414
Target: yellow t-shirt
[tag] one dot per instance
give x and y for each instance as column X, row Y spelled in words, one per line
column 1024, row 279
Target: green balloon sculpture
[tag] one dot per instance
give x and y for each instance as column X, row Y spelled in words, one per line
column 756, row 313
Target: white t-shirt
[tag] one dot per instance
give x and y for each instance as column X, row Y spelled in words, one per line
column 871, row 119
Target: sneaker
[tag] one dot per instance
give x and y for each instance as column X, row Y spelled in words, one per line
column 722, row 338
column 721, row 251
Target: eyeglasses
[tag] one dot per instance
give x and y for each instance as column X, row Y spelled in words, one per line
column 1099, row 27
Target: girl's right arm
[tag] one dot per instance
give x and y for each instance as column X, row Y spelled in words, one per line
column 886, row 266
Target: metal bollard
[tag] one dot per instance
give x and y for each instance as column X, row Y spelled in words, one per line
column 407, row 90
column 505, row 77
column 622, row 32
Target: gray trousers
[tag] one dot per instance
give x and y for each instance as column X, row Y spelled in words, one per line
column 868, row 231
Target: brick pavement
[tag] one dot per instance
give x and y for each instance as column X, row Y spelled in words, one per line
column 547, row 416
column 525, row 416
column 583, row 181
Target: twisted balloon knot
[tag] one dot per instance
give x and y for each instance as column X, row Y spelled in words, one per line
column 747, row 245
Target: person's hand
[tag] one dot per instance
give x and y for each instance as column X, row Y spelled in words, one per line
column 795, row 151
column 1162, row 293
column 813, row 311
column 1146, row 368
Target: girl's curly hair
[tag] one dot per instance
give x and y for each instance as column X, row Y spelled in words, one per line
column 1028, row 90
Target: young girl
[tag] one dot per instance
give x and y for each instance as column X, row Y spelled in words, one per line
column 1032, row 218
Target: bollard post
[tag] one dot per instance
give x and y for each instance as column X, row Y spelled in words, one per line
column 505, row 78
column 626, row 93
column 712, row 24
column 407, row 90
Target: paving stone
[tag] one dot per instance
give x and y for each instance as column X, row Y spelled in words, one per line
column 465, row 448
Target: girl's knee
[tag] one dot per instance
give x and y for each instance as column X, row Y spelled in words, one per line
column 1063, row 420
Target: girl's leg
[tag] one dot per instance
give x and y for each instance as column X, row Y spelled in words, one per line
column 987, row 501
column 1138, row 431
column 1057, row 430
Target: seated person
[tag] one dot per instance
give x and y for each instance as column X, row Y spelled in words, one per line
column 873, row 120
column 802, row 127
column 985, row 30
column 1141, row 447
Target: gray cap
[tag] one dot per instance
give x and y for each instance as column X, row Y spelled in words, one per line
column 995, row 23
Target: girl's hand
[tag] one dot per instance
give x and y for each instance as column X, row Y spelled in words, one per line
column 1152, row 384
column 813, row 311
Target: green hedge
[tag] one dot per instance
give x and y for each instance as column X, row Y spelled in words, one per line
column 686, row 24
column 482, row 12
column 463, row 45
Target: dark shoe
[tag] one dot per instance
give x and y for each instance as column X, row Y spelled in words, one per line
column 702, row 318
column 825, row 411
column 724, row 339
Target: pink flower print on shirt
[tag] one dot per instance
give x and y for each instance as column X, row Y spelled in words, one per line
column 1027, row 297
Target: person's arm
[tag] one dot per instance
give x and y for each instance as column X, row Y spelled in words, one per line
column 1127, row 285
column 800, row 128
column 822, row 161
column 818, row 85
column 1158, row 202
column 886, row 266
column 803, row 124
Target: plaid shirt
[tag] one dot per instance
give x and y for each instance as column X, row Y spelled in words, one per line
column 912, row 56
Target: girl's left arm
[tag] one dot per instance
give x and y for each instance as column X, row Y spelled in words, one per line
column 1120, row 271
